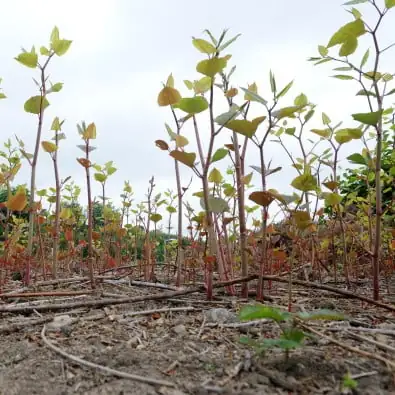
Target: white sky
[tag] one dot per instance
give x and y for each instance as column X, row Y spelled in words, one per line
column 123, row 50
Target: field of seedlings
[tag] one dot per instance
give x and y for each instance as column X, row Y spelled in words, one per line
column 212, row 294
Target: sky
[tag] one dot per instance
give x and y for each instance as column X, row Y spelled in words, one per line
column 122, row 52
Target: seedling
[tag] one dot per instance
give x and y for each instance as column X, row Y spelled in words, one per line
column 292, row 336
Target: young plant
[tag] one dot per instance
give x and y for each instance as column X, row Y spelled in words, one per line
column 87, row 134
column 192, row 106
column 8, row 171
column 374, row 86
column 52, row 149
column 292, row 334
column 265, row 197
column 101, row 176
column 36, row 105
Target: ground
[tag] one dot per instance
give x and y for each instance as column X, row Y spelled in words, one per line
column 195, row 350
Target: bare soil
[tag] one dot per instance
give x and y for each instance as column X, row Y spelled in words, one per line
column 193, row 354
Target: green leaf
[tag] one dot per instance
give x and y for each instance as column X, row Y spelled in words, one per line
column 309, row 115
column 260, row 311
column 305, row 182
column 252, row 96
column 56, row 87
column 170, row 132
column 171, row 209
column 389, row 3
column 3, row 96
column 170, row 81
column 345, row 135
column 324, row 314
column 370, row 118
column 203, row 46
column 362, row 92
column 349, row 46
column 54, row 34
column 100, row 177
column 284, row 91
column 323, row 51
column 357, row 14
column 267, row 171
column 222, row 119
column 203, row 85
column 301, row 100
column 332, row 199
column 345, row 68
column 60, row 47
column 357, row 159
column 56, row 124
column 111, row 170
column 186, row 158
column 244, row 127
column 215, row 176
column 188, row 84
column 181, row 141
column 353, row 2
column 42, row 192
column 48, row 146
column 229, row 42
column 302, row 219
column 351, row 30
column 290, row 131
column 192, row 105
column 28, row 59
column 391, row 92
column 273, row 86
column 325, row 60
column 325, row 133
column 44, row 51
column 325, row 119
column 155, row 217
column 373, row 75
column 286, row 112
column 211, row 67
column 365, row 58
column 35, row 104
column 229, row 191
column 343, row 77
column 215, row 204
column 219, row 154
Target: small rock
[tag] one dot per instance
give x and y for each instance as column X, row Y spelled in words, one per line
column 179, row 329
column 169, row 391
column 60, row 322
column 133, row 342
column 220, row 316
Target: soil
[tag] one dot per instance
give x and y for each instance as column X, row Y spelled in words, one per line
column 187, row 350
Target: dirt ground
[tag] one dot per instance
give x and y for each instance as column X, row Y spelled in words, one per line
column 192, row 351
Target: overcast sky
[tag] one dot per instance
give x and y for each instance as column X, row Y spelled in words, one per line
column 123, row 50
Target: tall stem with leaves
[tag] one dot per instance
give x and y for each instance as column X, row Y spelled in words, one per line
column 36, row 105
column 347, row 37
column 239, row 171
column 87, row 134
column 52, row 149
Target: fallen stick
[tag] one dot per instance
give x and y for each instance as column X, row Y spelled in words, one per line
column 105, row 369
column 172, row 294
column 39, row 294
column 310, row 284
column 390, row 364
column 17, row 326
